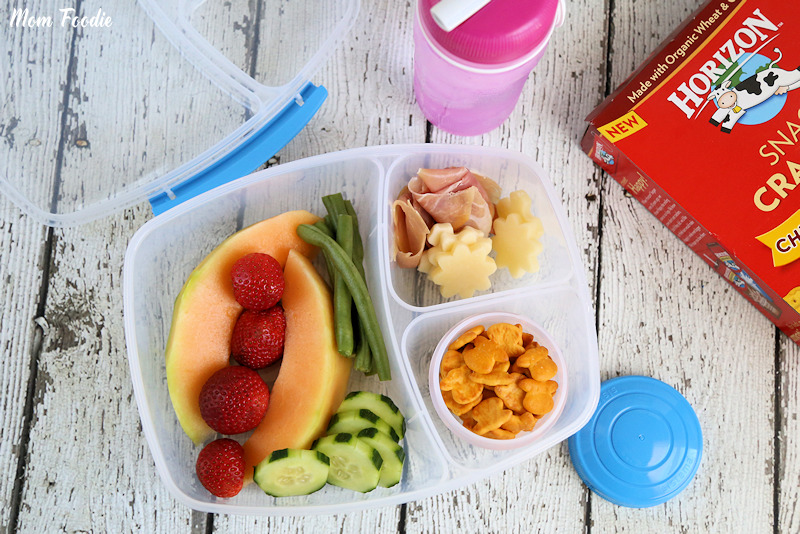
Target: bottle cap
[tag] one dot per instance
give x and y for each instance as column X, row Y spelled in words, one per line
column 500, row 32
column 642, row 446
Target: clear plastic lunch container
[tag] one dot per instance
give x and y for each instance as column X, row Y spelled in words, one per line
column 412, row 314
column 87, row 131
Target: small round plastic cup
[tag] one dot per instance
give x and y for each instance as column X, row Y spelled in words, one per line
column 468, row 80
column 454, row 423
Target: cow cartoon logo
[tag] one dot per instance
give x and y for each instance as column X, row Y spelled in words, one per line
column 761, row 95
column 607, row 158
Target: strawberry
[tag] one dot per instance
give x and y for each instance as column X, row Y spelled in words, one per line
column 257, row 281
column 220, row 467
column 234, row 400
column 258, row 337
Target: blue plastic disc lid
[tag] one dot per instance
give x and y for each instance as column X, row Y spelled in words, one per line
column 642, row 446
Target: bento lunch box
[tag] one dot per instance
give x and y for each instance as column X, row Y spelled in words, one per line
column 412, row 314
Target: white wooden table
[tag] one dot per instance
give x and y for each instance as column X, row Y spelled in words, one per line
column 71, row 446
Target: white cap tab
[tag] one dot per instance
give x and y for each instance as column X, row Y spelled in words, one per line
column 448, row 14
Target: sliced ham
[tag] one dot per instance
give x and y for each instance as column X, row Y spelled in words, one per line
column 439, row 179
column 491, row 188
column 410, row 233
column 450, row 207
column 453, row 195
column 405, row 194
column 429, row 221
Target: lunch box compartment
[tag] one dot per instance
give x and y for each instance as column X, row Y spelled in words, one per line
column 164, row 251
column 511, row 174
column 560, row 312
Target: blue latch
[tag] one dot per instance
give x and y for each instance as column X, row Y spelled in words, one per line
column 251, row 154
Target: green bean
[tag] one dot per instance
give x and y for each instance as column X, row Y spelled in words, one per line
column 358, row 289
column 335, row 205
column 342, row 301
column 363, row 360
column 358, row 246
column 323, row 226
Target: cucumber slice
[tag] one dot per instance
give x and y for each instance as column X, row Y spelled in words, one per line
column 355, row 421
column 380, row 405
column 354, row 464
column 288, row 472
column 392, row 454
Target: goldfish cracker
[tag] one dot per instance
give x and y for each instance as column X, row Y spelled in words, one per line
column 489, row 415
column 463, row 389
column 527, row 339
column 511, row 394
column 516, row 368
column 495, row 378
column 501, row 433
column 501, row 367
column 482, row 356
column 497, row 350
column 544, row 370
column 540, row 366
column 538, row 396
column 508, row 336
column 452, row 359
column 532, row 355
column 519, row 423
column 468, row 420
column 467, row 337
column 456, row 407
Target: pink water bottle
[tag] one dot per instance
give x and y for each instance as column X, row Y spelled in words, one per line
column 468, row 80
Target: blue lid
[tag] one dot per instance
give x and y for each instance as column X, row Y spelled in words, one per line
column 642, row 446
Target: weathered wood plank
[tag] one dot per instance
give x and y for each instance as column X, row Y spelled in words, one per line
column 547, row 125
column 22, row 272
column 788, row 444
column 88, row 467
column 370, row 82
column 30, row 94
column 684, row 325
column 31, row 99
column 664, row 313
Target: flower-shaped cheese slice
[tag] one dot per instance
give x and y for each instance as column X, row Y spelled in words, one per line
column 517, row 244
column 516, row 202
column 463, row 270
column 442, row 236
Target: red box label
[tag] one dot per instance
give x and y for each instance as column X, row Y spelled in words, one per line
column 706, row 134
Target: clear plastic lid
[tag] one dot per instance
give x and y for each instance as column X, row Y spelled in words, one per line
column 88, row 127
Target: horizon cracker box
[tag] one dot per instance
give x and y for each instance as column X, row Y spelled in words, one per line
column 706, row 135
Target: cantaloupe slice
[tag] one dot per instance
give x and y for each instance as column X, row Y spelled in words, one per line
column 312, row 380
column 206, row 311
